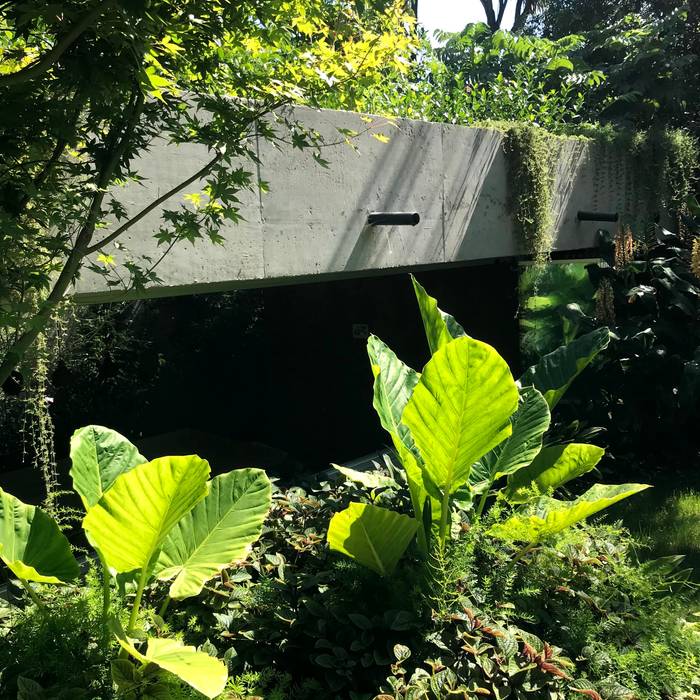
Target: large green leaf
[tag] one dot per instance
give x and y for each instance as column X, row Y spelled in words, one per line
column 374, row 537
column 553, row 467
column 216, row 532
column 553, row 374
column 550, row 516
column 440, row 327
column 530, row 422
column 394, row 383
column 99, row 455
column 196, row 668
column 370, row 479
column 32, row 545
column 460, row 409
column 130, row 522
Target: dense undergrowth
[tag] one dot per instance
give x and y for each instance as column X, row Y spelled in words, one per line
column 297, row 621
column 432, row 576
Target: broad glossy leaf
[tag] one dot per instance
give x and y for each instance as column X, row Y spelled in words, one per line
column 374, row 537
column 202, row 672
column 553, row 374
column 216, row 532
column 370, row 480
column 32, row 545
column 99, row 455
column 551, row 516
column 394, row 383
column 440, row 327
column 553, row 467
column 530, row 422
column 460, row 409
column 131, row 521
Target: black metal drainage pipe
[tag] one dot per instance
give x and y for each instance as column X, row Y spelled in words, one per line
column 393, row 218
column 597, row 216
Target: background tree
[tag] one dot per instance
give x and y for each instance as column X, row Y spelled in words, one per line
column 87, row 87
column 495, row 13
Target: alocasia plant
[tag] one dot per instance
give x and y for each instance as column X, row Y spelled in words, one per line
column 158, row 519
column 462, row 425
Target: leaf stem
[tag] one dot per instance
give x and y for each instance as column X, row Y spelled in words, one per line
column 137, row 600
column 32, row 594
column 482, row 503
column 444, row 517
column 525, row 550
column 164, row 607
column 106, row 600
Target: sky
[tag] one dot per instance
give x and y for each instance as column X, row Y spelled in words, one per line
column 453, row 15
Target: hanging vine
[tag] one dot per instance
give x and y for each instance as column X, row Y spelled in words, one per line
column 530, row 178
column 38, row 427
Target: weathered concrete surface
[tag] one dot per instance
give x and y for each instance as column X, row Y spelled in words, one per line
column 312, row 222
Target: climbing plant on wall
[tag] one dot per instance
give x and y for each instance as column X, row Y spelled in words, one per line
column 530, row 153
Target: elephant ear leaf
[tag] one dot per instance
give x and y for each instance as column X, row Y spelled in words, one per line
column 555, row 372
column 198, row 669
column 530, row 423
column 99, row 455
column 460, row 409
column 216, row 532
column 440, row 327
column 32, row 545
column 551, row 516
column 129, row 524
column 374, row 537
column 394, row 383
column 553, row 467
column 370, row 480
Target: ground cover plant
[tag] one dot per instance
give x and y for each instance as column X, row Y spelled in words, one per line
column 437, row 579
column 161, row 519
column 430, row 580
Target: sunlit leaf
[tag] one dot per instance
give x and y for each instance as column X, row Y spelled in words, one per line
column 550, row 516
column 130, row 522
column 216, row 532
column 552, row 467
column 99, row 455
column 374, row 537
column 460, row 409
column 32, row 545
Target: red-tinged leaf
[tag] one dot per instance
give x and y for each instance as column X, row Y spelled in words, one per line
column 589, row 692
column 529, row 653
column 551, row 668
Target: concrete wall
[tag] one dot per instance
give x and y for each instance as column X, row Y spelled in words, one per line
column 312, row 222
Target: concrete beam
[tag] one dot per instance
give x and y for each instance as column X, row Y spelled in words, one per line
column 312, row 222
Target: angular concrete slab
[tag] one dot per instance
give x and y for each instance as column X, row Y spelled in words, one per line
column 312, row 223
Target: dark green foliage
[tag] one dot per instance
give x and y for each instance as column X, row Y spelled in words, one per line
column 297, row 621
column 621, row 623
column 58, row 648
column 553, row 304
column 298, row 609
column 644, row 390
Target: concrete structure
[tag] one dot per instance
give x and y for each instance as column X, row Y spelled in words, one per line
column 312, row 222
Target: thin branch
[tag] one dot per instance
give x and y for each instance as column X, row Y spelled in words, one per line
column 71, row 265
column 43, row 64
column 153, row 205
column 185, row 183
column 43, row 175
